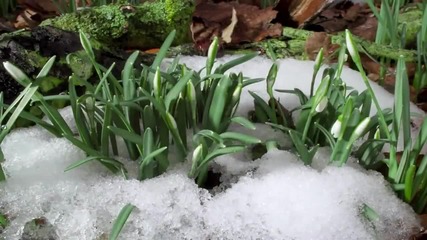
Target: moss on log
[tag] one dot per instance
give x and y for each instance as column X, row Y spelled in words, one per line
column 376, row 50
column 142, row 26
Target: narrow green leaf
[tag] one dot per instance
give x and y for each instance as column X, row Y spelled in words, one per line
column 302, row 97
column 244, row 122
column 105, row 133
column 127, row 135
column 216, row 138
column 369, row 213
column 300, row 147
column 177, row 89
column 216, row 109
column 46, row 68
column 79, row 116
column 409, row 181
column 83, row 161
column 263, row 105
column 226, row 66
column 161, row 54
column 216, row 153
column 327, row 134
column 243, row 138
column 120, row 221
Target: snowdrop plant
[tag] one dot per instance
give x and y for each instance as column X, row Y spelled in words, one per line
column 387, row 31
column 150, row 110
column 330, row 115
column 217, row 96
column 408, row 174
column 420, row 79
column 6, row 122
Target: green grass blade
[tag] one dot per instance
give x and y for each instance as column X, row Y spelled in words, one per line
column 128, row 80
column 421, row 139
column 409, row 181
column 218, row 152
column 177, row 89
column 127, row 135
column 120, row 221
column 401, row 108
column 264, row 106
column 28, row 93
column 79, row 117
column 208, row 134
column 161, row 54
column 2, row 174
column 82, row 162
column 217, row 107
column 327, row 134
column 226, row 66
column 243, row 138
column 301, row 147
column 244, row 122
column 105, row 133
column 46, row 68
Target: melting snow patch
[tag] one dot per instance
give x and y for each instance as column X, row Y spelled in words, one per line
column 281, row 199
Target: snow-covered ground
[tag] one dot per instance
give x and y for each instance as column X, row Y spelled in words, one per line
column 275, row 197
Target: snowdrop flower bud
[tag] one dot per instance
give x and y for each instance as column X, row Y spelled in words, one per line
column 361, row 127
column 157, row 83
column 352, row 48
column 197, row 158
column 213, row 48
column 319, row 60
column 336, row 128
column 377, row 134
column 322, row 104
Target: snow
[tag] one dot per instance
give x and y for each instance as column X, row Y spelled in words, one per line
column 275, row 197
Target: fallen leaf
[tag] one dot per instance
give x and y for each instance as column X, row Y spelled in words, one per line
column 27, row 18
column 234, row 23
column 228, row 31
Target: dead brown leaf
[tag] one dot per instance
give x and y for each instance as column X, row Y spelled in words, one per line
column 41, row 6
column 249, row 24
column 367, row 30
column 315, row 42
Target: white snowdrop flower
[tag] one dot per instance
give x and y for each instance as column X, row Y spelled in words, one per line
column 336, row 128
column 361, row 127
column 322, row 104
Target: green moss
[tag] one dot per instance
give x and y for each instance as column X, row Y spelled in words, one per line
column 141, row 26
column 80, row 65
column 411, row 20
column 154, row 21
column 35, row 59
column 180, row 13
column 102, row 23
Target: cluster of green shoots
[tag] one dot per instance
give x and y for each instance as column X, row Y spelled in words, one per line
column 150, row 110
column 389, row 33
column 335, row 116
column 7, row 7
